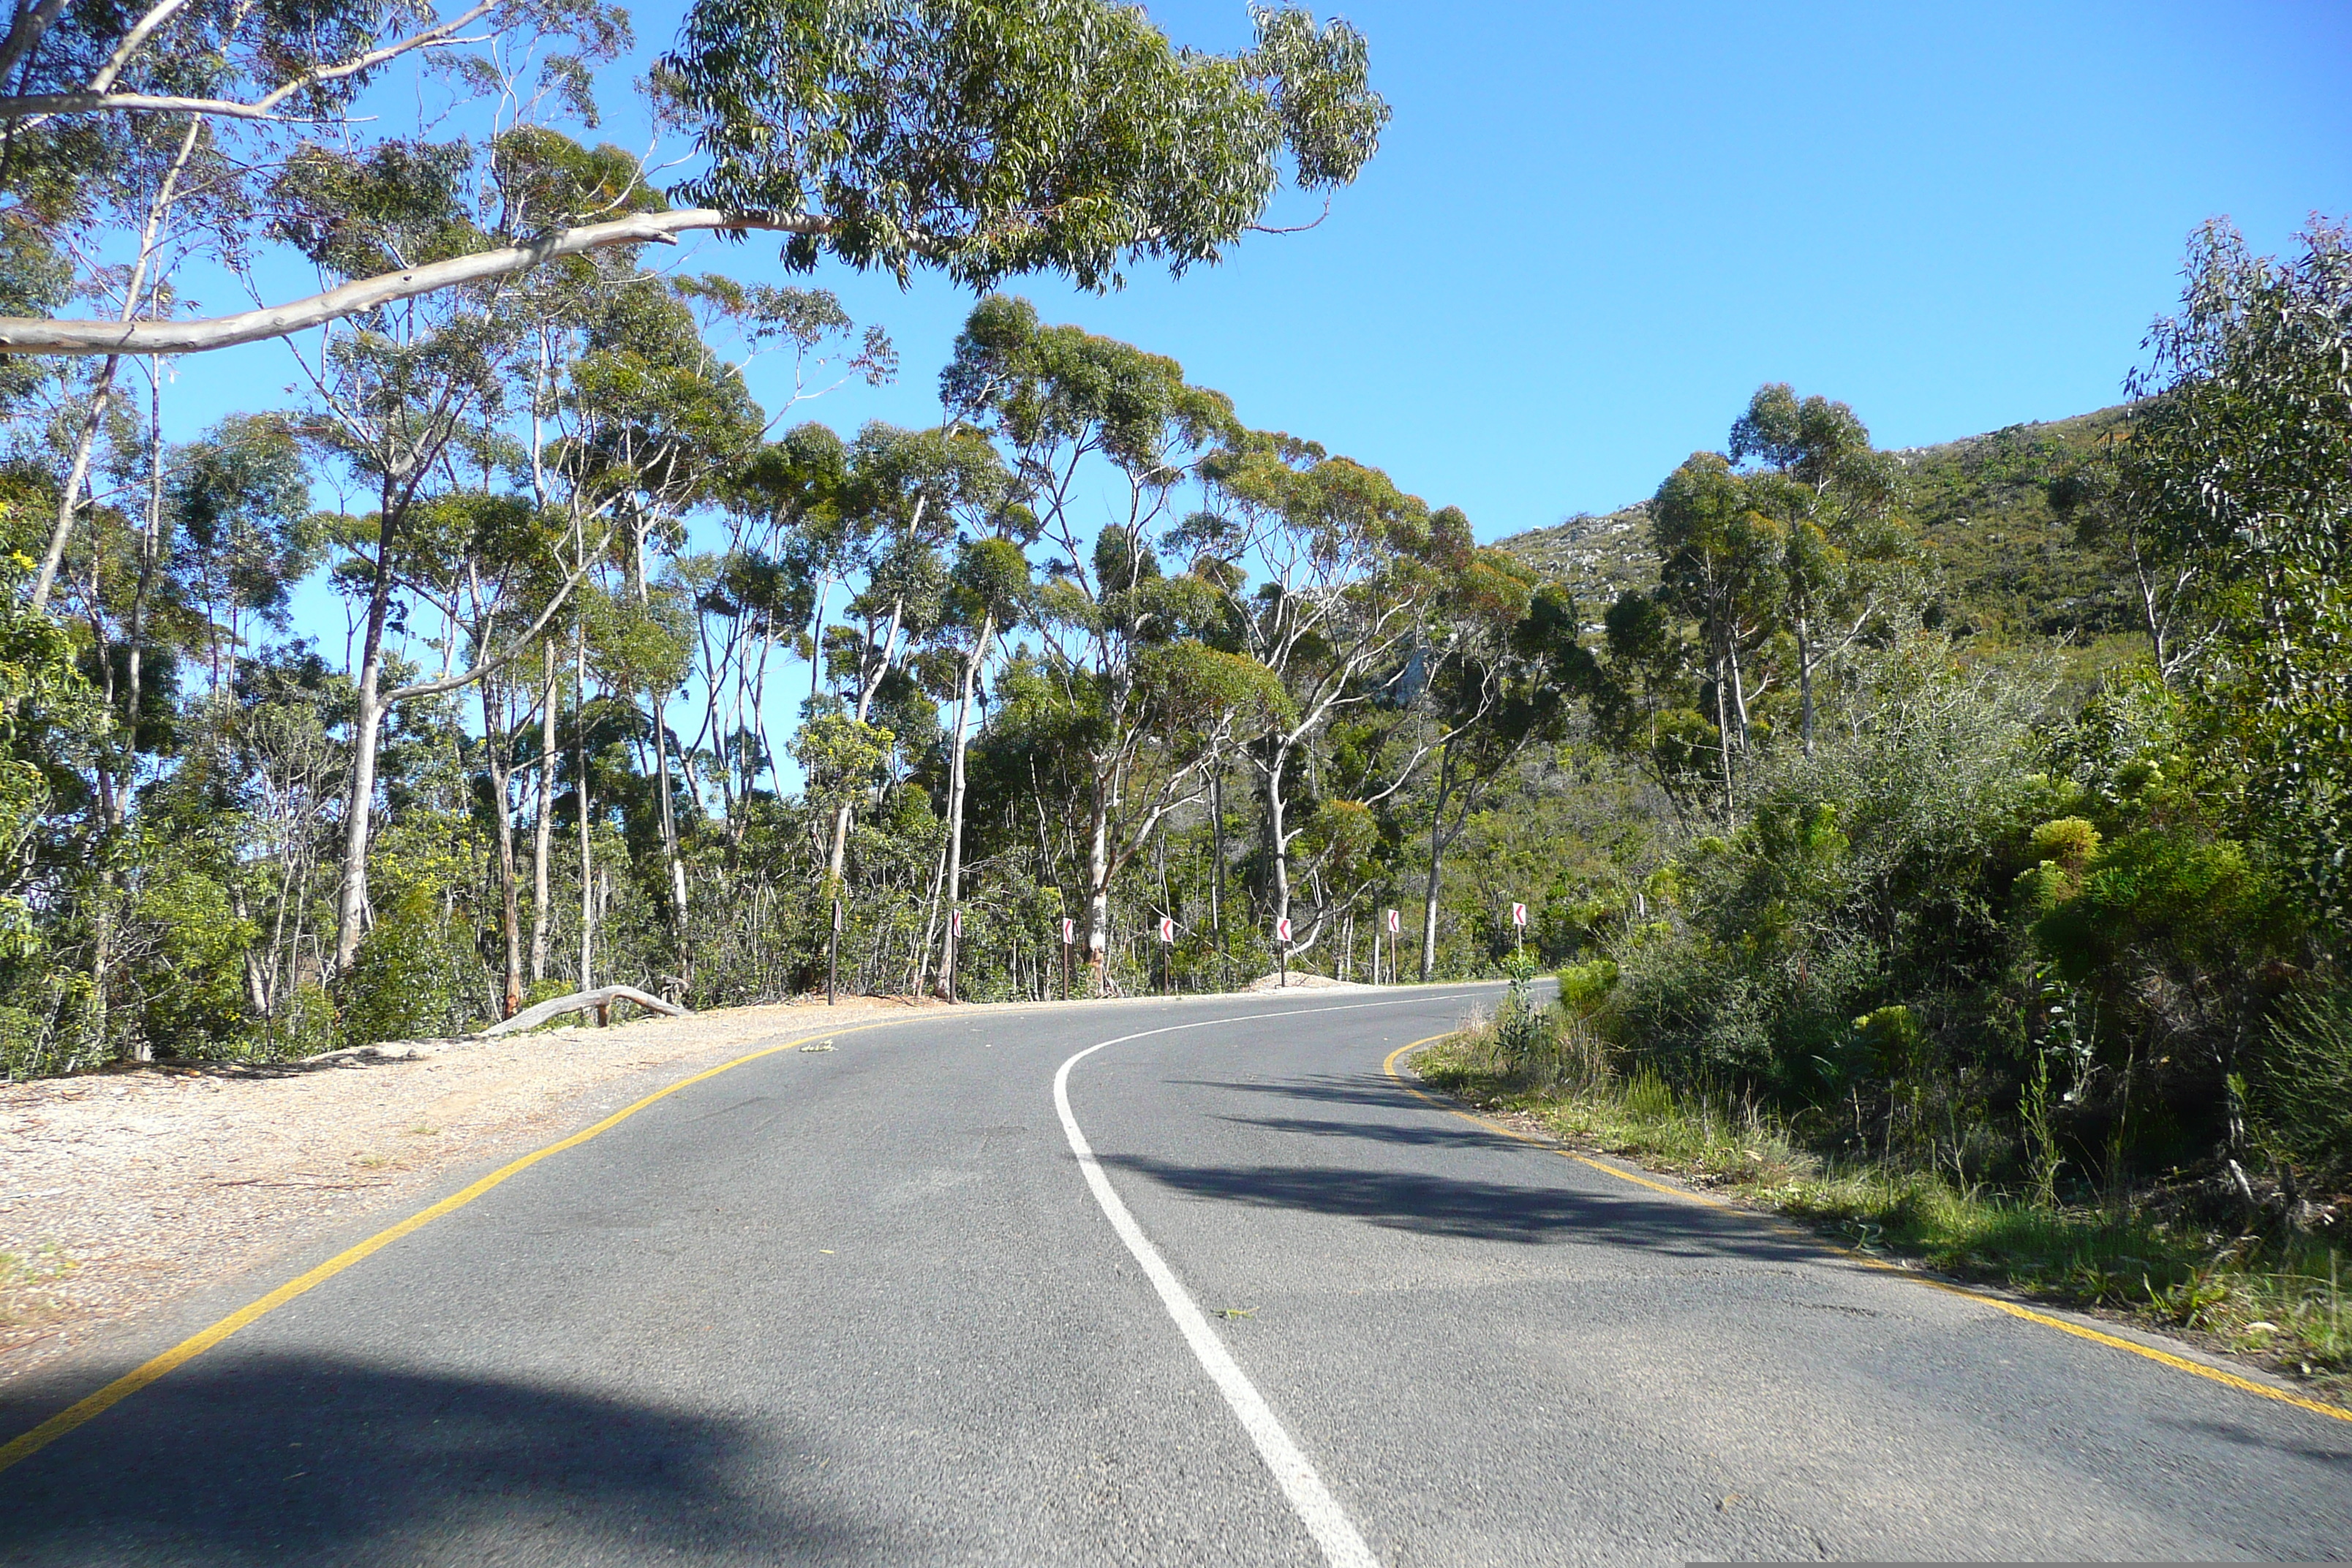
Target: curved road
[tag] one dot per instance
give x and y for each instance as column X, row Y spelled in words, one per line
column 872, row 1305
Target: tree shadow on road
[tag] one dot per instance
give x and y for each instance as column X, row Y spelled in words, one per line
column 278, row 1459
column 1412, row 1134
column 1484, row 1211
column 1325, row 1091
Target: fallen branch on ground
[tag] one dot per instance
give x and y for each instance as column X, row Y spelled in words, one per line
column 602, row 999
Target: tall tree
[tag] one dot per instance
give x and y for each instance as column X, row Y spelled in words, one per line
column 2235, row 473
column 1721, row 560
column 1068, row 405
column 988, row 592
column 1335, row 581
column 1832, row 496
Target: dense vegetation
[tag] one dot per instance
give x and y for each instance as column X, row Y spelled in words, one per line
column 1969, row 904
column 1997, row 899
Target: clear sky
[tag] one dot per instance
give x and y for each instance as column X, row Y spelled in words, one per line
column 1592, row 229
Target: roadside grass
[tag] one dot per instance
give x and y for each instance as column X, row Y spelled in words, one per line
column 2284, row 1301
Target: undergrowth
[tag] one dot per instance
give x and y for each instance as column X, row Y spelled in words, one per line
column 2281, row 1299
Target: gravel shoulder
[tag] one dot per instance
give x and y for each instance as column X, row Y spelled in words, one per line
column 123, row 1190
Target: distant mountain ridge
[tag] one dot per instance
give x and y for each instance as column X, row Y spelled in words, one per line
column 2006, row 564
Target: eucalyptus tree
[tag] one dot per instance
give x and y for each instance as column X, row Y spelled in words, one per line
column 767, row 586
column 396, row 402
column 133, row 137
column 2234, row 474
column 909, row 489
column 788, row 544
column 246, row 531
column 1499, row 674
column 1720, row 566
column 1070, row 409
column 1832, row 497
column 1331, row 582
column 986, row 140
column 989, row 590
column 657, row 425
column 499, row 569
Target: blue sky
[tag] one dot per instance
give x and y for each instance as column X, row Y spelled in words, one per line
column 1592, row 230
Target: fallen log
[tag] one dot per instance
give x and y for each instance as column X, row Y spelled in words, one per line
column 602, row 999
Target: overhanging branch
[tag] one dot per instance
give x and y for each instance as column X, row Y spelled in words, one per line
column 39, row 335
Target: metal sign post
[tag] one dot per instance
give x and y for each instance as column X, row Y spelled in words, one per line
column 1282, row 937
column 1392, row 936
column 833, row 956
column 1520, row 929
column 1167, row 951
column 1069, row 935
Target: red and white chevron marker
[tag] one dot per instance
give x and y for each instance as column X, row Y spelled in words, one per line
column 1392, row 922
column 955, row 921
column 1519, row 914
column 1069, row 931
column 1282, row 929
column 1167, row 929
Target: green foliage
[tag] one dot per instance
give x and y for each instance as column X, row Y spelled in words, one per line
column 417, row 976
column 2304, row 1091
column 2235, row 472
column 1585, row 988
column 1014, row 136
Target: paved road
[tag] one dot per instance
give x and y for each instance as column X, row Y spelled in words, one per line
column 864, row 1306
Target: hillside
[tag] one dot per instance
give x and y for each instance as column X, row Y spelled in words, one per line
column 1599, row 557
column 2007, row 565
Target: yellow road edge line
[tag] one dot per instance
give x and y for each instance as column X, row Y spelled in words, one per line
column 24, row 1445
column 2163, row 1358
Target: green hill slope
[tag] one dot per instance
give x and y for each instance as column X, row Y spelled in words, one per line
column 2007, row 565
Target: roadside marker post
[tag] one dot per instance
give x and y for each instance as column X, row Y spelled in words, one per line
column 1392, row 936
column 1519, row 928
column 1167, row 951
column 1282, row 940
column 1069, row 935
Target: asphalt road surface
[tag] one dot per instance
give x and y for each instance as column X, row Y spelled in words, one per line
column 873, row 1305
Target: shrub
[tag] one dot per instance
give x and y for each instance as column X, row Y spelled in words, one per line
column 417, row 976
column 2303, row 1097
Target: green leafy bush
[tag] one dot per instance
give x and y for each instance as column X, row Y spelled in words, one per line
column 417, row 977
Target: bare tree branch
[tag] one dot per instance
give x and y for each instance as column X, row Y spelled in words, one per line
column 39, row 335
column 97, row 97
column 514, row 647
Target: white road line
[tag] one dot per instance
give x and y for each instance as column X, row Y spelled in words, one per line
column 1316, row 1508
